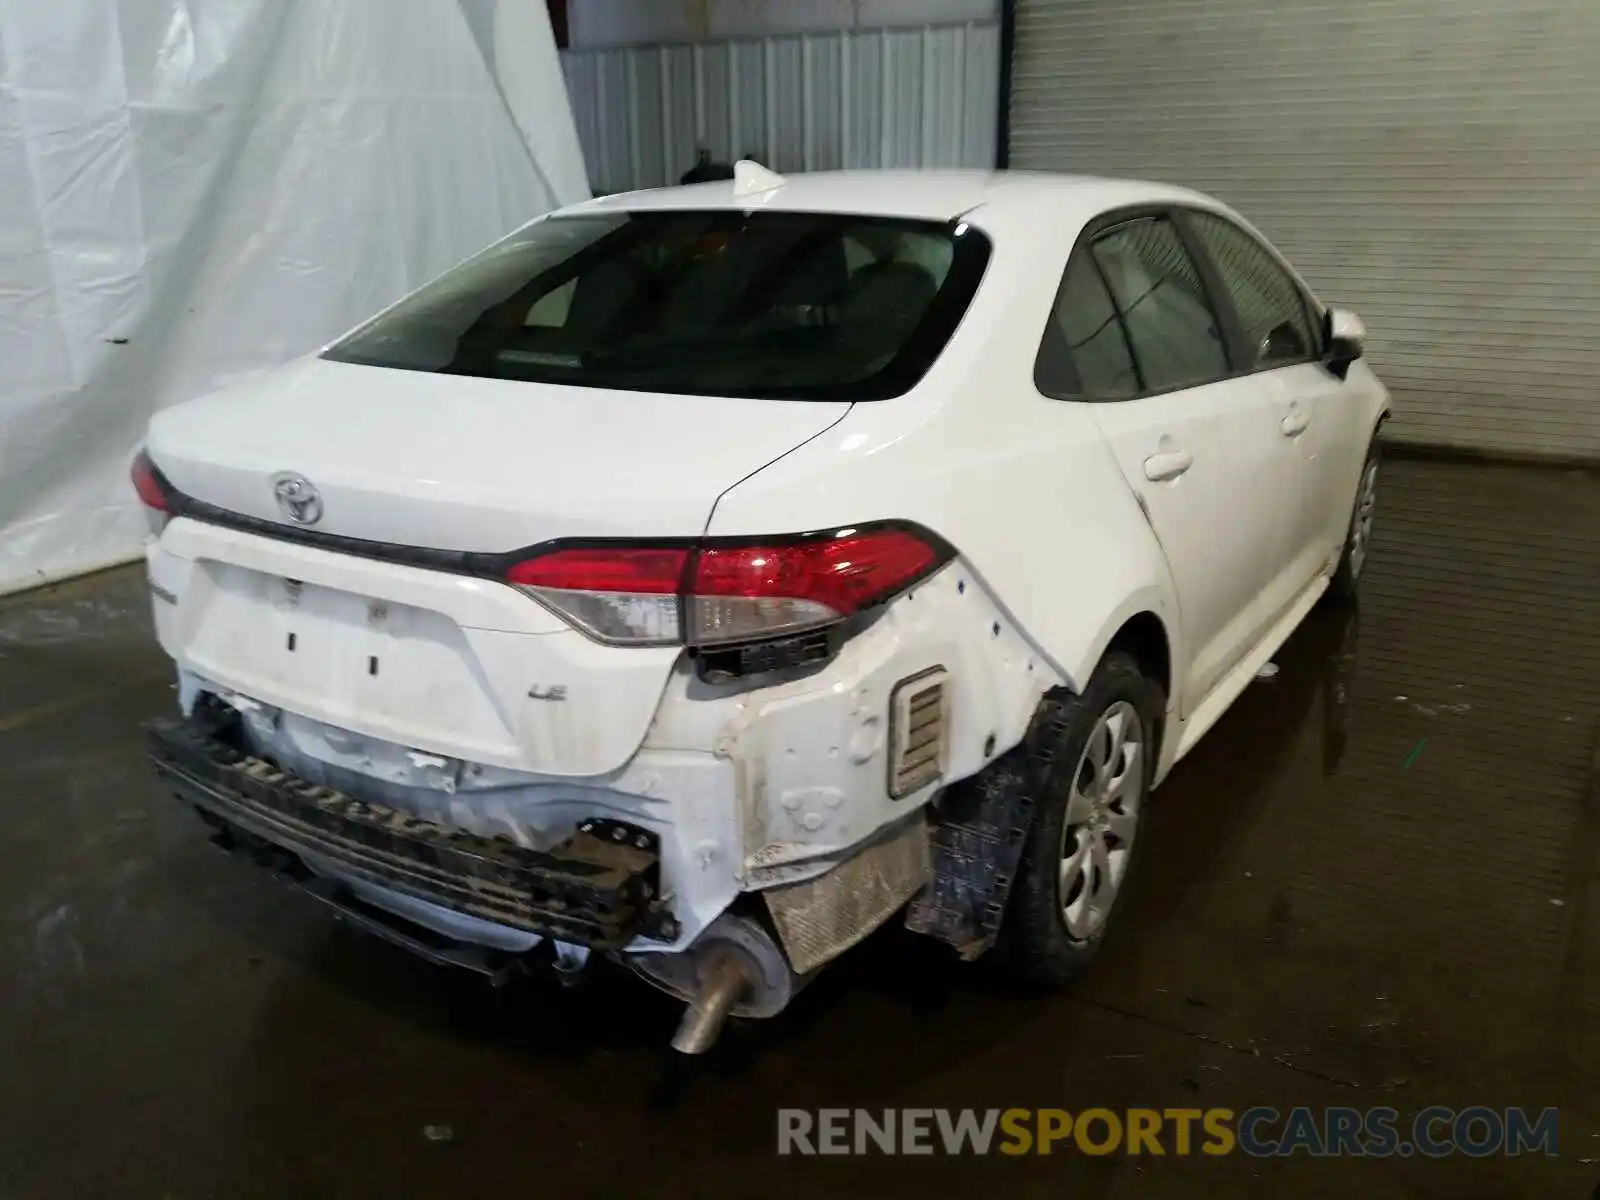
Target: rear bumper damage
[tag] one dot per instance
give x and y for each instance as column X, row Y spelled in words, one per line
column 777, row 824
column 395, row 874
column 599, row 888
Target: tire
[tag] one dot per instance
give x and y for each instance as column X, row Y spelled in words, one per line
column 1346, row 579
column 1050, row 935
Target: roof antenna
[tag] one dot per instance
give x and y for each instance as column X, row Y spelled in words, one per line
column 752, row 179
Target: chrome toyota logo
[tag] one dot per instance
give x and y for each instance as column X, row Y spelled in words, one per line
column 297, row 499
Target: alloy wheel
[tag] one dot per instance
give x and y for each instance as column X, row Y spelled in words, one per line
column 1102, row 820
column 1361, row 521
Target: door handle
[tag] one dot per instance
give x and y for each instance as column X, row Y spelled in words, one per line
column 1167, row 465
column 1295, row 423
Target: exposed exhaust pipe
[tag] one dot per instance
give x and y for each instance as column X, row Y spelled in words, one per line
column 734, row 969
column 725, row 980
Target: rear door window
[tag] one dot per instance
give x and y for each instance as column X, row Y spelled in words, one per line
column 1171, row 328
column 787, row 305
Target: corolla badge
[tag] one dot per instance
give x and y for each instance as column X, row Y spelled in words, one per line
column 297, row 498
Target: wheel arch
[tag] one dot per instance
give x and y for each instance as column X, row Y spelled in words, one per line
column 996, row 808
column 1145, row 626
column 1143, row 637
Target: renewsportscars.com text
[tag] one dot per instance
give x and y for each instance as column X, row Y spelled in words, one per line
column 1260, row 1132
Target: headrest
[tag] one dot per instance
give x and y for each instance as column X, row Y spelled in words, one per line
column 895, row 290
column 817, row 275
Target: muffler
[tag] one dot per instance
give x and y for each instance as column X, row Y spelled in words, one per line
column 734, row 968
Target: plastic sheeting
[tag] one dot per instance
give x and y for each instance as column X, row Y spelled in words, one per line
column 194, row 190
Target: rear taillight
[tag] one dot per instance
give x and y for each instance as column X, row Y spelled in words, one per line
column 728, row 591
column 626, row 594
column 154, row 492
column 740, row 593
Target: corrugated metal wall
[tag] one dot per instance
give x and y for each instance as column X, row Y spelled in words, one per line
column 1432, row 163
column 923, row 97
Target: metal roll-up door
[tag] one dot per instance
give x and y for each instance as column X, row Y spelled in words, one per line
column 1434, row 164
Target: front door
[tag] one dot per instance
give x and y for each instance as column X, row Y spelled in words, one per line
column 1201, row 449
column 1279, row 341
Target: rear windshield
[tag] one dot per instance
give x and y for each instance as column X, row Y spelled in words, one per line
column 786, row 305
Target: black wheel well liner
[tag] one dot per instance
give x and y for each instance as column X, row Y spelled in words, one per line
column 1143, row 637
column 981, row 823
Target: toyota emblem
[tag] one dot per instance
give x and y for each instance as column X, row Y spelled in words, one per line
column 297, row 498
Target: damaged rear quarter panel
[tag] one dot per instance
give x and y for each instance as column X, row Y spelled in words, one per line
column 811, row 756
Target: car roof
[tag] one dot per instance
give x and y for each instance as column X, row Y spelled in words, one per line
column 990, row 197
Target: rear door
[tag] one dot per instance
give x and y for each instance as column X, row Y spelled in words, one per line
column 1136, row 333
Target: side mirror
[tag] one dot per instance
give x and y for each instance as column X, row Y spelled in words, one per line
column 1345, row 336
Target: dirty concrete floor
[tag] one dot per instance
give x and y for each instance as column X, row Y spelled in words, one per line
column 1374, row 883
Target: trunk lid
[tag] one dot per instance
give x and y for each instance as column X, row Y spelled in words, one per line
column 459, row 463
column 472, row 670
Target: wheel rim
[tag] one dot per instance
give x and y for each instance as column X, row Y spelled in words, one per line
column 1102, row 820
column 1361, row 522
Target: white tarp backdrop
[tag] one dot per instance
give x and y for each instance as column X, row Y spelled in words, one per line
column 193, row 190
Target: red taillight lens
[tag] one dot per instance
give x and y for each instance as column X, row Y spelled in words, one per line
column 624, row 594
column 730, row 591
column 149, row 484
column 646, row 571
column 741, row 592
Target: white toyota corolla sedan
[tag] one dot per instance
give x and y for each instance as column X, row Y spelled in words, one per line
column 703, row 577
